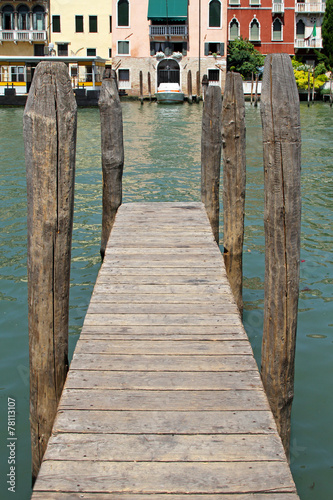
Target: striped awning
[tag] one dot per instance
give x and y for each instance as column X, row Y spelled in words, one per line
column 175, row 10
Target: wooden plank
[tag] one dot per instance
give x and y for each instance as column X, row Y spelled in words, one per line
column 100, row 308
column 166, row 448
column 151, row 477
column 164, row 347
column 165, row 422
column 89, row 379
column 173, row 279
column 132, row 362
column 162, row 319
column 198, row 289
column 124, row 496
column 104, row 295
column 104, row 399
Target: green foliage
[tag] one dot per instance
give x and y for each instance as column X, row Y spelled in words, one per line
column 327, row 32
column 302, row 80
column 243, row 57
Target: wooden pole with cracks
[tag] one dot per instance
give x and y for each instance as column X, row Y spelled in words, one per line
column 234, row 180
column 112, row 154
column 280, row 113
column 50, row 140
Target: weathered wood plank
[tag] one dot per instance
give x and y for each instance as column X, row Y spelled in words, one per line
column 105, row 399
column 166, row 448
column 151, row 477
column 132, row 362
column 151, row 298
column 162, row 319
column 99, row 308
column 164, row 347
column 89, row 379
column 125, row 496
column 165, row 422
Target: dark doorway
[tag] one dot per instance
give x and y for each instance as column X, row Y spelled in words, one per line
column 168, row 72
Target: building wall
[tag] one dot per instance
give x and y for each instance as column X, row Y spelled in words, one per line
column 80, row 42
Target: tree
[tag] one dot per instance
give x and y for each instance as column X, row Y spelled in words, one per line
column 244, row 58
column 327, row 32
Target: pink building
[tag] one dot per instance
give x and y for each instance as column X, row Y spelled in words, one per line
column 166, row 39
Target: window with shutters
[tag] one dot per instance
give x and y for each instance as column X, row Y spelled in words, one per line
column 215, row 14
column 123, row 47
column 56, row 24
column 277, row 30
column 254, row 31
column 123, row 12
column 92, row 24
column 79, row 24
column 214, row 49
column 233, row 29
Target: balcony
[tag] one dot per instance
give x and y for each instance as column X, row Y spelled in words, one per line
column 172, row 30
column 310, row 7
column 278, row 8
column 22, row 36
column 314, row 43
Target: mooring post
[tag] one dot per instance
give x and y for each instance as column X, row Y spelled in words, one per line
column 112, row 154
column 313, row 85
column 309, row 88
column 50, row 139
column 331, row 91
column 189, row 86
column 149, row 86
column 198, row 82
column 256, row 92
column 251, row 88
column 205, row 83
column 234, row 180
column 280, row 113
column 141, row 86
column 211, row 143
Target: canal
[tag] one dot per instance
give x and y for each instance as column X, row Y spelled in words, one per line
column 162, row 163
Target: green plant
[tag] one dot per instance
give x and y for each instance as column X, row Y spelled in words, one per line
column 244, row 58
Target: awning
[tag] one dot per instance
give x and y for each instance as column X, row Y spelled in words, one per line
column 174, row 10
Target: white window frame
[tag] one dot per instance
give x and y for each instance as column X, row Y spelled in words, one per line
column 129, row 16
column 129, row 48
column 214, row 27
column 233, row 19
column 254, row 19
column 128, row 84
column 281, row 39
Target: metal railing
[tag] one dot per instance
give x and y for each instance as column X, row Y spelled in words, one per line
column 173, row 30
column 22, row 36
column 314, row 43
column 312, row 7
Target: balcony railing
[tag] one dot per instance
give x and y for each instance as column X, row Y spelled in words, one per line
column 278, row 7
column 22, row 36
column 314, row 43
column 173, row 30
column 310, row 7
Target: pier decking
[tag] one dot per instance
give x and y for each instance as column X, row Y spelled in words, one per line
column 163, row 398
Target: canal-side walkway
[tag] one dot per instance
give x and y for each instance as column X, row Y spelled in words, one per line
column 163, row 398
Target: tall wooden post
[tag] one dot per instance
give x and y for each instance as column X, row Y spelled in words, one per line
column 256, row 91
column 280, row 112
column 198, row 86
column 331, row 91
column 211, row 143
column 313, row 85
column 141, row 86
column 50, row 140
column 251, row 88
column 149, row 86
column 112, row 154
column 234, row 180
column 189, row 86
column 309, row 88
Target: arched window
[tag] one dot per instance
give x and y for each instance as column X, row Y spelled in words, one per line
column 214, row 14
column 123, row 13
column 234, row 29
column 254, row 31
column 277, row 30
column 300, row 29
column 8, row 18
column 38, row 18
column 23, row 19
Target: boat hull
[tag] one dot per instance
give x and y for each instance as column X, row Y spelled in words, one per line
column 170, row 97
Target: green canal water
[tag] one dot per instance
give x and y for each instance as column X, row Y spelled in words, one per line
column 162, row 162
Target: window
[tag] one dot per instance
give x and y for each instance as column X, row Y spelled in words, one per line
column 277, row 30
column 254, row 31
column 123, row 13
column 123, row 47
column 38, row 18
column 300, row 29
column 110, row 53
column 39, row 49
column 214, row 48
column 17, row 73
column 56, row 24
column 214, row 14
column 214, row 76
column 92, row 24
column 91, row 52
column 8, row 18
column 110, row 23
column 62, row 49
column 124, row 79
column 23, row 20
column 234, row 29
column 254, row 2
column 78, row 24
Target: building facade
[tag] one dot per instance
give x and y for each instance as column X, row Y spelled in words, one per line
column 166, row 39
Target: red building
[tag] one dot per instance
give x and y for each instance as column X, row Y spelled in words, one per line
column 268, row 24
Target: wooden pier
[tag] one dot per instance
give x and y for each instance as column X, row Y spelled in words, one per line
column 163, row 398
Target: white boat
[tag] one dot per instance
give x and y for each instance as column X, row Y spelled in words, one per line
column 169, row 93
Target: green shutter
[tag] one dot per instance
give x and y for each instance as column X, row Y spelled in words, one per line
column 123, row 14
column 214, row 14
